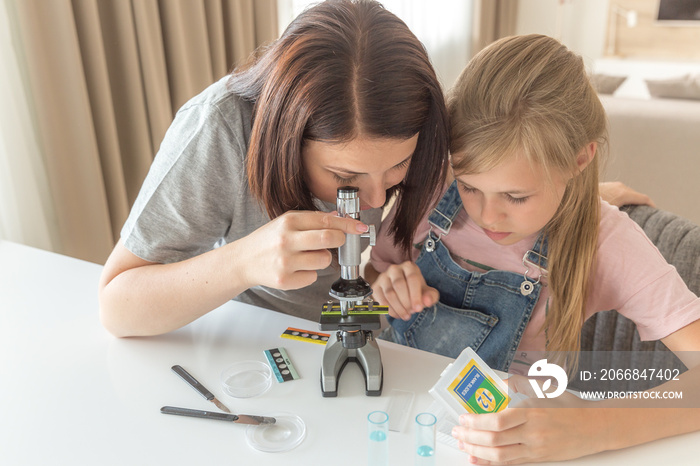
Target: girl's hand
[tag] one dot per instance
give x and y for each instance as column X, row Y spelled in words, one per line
column 403, row 288
column 286, row 252
column 534, row 430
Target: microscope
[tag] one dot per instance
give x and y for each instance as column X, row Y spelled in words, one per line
column 351, row 314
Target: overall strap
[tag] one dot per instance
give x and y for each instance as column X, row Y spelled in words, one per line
column 447, row 209
column 537, row 256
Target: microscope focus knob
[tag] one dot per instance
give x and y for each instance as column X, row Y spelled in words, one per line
column 371, row 234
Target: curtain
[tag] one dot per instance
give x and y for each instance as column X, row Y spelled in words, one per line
column 443, row 26
column 493, row 19
column 105, row 79
column 26, row 210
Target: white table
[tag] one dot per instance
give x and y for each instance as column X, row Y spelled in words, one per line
column 70, row 393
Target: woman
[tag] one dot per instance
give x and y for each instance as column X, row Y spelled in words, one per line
column 237, row 203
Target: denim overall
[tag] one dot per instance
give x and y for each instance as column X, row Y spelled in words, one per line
column 485, row 311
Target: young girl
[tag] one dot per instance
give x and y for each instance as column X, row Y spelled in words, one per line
column 237, row 203
column 520, row 250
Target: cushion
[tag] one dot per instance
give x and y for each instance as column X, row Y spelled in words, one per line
column 605, row 83
column 684, row 87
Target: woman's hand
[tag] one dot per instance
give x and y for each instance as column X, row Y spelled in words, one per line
column 138, row 297
column 286, row 252
column 619, row 194
column 403, row 288
column 534, row 430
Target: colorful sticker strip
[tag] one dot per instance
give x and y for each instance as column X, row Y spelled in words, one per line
column 306, row 335
column 281, row 365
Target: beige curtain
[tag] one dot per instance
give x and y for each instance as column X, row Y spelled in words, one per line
column 493, row 19
column 106, row 77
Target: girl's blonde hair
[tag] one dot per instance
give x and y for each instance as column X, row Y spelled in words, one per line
column 530, row 96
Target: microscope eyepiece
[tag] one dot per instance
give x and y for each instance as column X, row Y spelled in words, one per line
column 348, row 202
column 348, row 191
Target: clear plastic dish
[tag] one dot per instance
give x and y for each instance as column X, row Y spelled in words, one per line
column 246, row 379
column 285, row 434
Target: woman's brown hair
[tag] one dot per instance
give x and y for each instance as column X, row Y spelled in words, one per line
column 343, row 69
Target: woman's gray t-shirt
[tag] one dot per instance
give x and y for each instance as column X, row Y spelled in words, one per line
column 196, row 197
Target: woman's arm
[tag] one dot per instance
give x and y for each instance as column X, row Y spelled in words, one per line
column 370, row 273
column 138, row 297
column 618, row 194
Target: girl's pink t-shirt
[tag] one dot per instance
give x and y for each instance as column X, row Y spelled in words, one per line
column 630, row 274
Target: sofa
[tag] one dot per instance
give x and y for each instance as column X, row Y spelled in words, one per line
column 654, row 147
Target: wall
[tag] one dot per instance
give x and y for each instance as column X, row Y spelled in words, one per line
column 579, row 24
column 443, row 26
column 582, row 25
column 652, row 40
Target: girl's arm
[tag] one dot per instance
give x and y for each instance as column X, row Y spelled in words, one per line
column 138, row 297
column 568, row 427
column 653, row 423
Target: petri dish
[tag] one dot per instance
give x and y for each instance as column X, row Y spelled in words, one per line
column 246, row 379
column 285, row 434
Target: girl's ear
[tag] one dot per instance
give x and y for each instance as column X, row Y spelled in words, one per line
column 586, row 155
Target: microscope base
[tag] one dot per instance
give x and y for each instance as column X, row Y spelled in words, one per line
column 336, row 356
